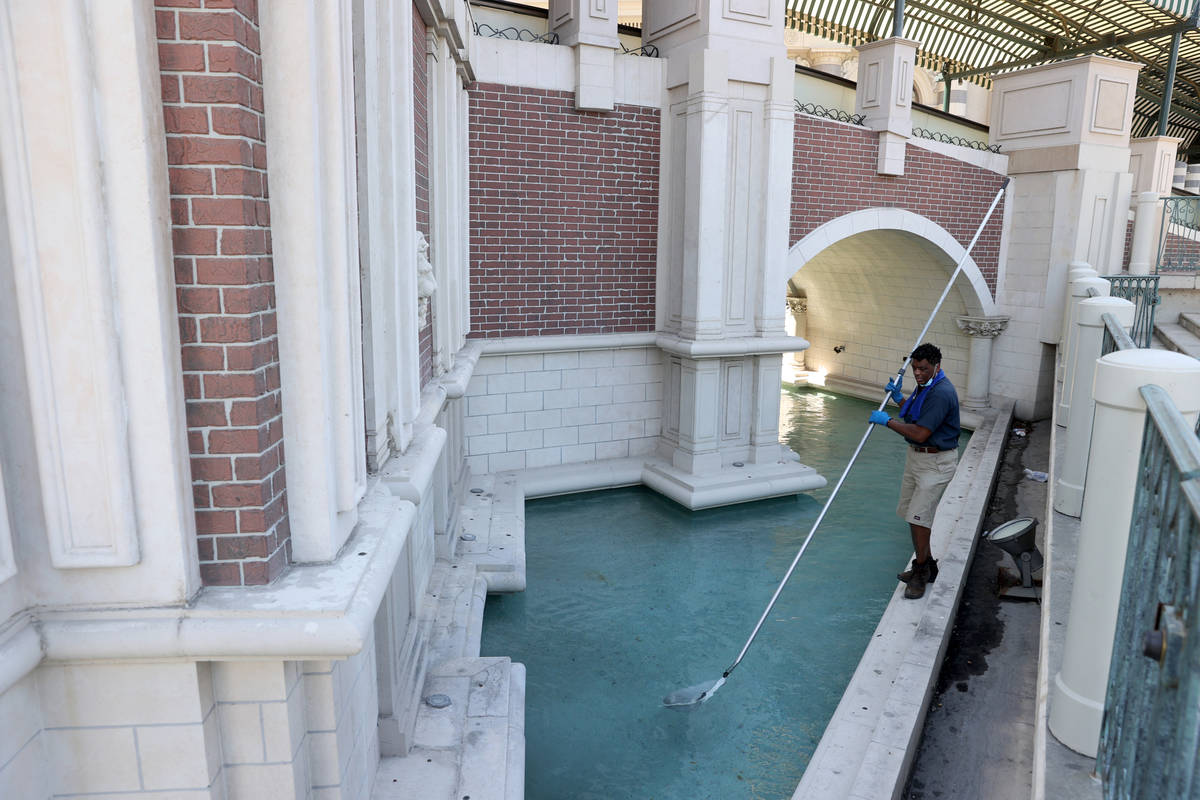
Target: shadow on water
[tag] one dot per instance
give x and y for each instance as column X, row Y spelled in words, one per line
column 631, row 596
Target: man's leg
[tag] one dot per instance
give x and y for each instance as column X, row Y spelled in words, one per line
column 920, row 540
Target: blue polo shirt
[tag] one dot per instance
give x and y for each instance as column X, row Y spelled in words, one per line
column 939, row 414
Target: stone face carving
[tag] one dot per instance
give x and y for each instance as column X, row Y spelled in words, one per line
column 987, row 327
column 426, row 283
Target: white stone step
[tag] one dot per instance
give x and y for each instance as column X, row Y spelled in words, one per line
column 475, row 747
column 1178, row 338
column 493, row 522
column 1190, row 320
column 453, row 608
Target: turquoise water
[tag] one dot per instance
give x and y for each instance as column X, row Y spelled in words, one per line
column 630, row 596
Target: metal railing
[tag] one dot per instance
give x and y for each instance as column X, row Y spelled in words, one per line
column 514, row 33
column 815, row 110
column 1148, row 738
column 1115, row 337
column 938, row 136
column 647, row 50
column 1142, row 291
column 1179, row 235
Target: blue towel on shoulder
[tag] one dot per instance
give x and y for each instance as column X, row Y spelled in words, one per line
column 912, row 406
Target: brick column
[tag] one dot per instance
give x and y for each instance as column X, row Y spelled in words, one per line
column 213, row 104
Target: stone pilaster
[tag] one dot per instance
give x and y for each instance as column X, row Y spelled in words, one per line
column 590, row 28
column 884, row 97
column 725, row 201
column 982, row 330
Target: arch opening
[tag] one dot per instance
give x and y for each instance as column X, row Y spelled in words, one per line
column 862, row 292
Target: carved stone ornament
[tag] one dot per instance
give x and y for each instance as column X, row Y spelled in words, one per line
column 797, row 305
column 426, row 283
column 987, row 327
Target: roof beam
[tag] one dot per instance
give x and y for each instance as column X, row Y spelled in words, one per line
column 1106, row 42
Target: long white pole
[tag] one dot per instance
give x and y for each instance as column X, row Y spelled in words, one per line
column 863, row 441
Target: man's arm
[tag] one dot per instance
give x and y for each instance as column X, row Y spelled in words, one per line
column 910, row 430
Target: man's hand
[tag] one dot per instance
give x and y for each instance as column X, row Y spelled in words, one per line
column 880, row 418
column 893, row 388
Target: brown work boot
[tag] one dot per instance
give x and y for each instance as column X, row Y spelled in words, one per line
column 915, row 585
column 905, row 576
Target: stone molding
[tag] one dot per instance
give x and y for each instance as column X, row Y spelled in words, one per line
column 986, row 327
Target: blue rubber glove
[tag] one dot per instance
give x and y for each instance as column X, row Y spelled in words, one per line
column 893, row 387
column 880, row 418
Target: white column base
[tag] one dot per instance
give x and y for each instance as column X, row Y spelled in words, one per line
column 727, row 485
column 1074, row 719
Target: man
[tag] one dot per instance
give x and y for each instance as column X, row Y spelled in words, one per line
column 929, row 423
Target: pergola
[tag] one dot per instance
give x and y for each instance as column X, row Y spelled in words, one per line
column 974, row 39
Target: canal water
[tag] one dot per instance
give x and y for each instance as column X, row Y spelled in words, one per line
column 631, row 596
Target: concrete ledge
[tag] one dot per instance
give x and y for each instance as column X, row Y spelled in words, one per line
column 729, row 346
column 313, row 612
column 730, row 484
column 868, row 746
column 566, row 344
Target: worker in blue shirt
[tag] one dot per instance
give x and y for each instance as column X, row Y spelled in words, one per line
column 928, row 421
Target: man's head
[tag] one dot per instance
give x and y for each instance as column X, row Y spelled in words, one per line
column 925, row 361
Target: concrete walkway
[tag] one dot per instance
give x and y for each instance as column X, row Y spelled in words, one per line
column 978, row 739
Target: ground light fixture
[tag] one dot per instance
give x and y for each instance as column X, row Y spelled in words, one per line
column 1016, row 537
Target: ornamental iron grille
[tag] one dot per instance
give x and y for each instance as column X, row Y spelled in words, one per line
column 816, row 110
column 514, row 33
column 1142, row 290
column 1150, row 736
column 1179, row 235
column 938, row 136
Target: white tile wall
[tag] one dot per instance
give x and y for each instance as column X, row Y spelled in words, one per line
column 22, row 743
column 261, row 710
column 342, row 733
column 544, row 409
column 141, row 730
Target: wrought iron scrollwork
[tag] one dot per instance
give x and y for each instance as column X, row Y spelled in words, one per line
column 514, row 33
column 647, row 50
column 938, row 136
column 815, row 110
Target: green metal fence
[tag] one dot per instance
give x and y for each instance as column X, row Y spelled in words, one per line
column 1150, row 736
column 1179, row 235
column 1142, row 290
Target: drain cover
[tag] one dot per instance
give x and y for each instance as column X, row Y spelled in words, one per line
column 437, row 700
column 477, row 491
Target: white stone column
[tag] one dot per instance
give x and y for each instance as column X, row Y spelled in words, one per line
column 91, row 387
column 798, row 315
column 884, row 97
column 590, row 28
column 982, row 330
column 725, row 200
column 1089, row 340
column 387, row 223
column 309, row 100
column 1077, row 696
column 1152, row 164
column 1078, row 291
column 1065, row 128
column 1147, row 226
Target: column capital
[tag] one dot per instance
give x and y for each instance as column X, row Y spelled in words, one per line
column 797, row 305
column 984, row 327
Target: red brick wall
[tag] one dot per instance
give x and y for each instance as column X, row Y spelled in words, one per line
column 421, row 136
column 213, row 105
column 564, row 214
column 833, row 173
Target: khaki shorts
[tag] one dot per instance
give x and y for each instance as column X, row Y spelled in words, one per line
column 926, row 476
